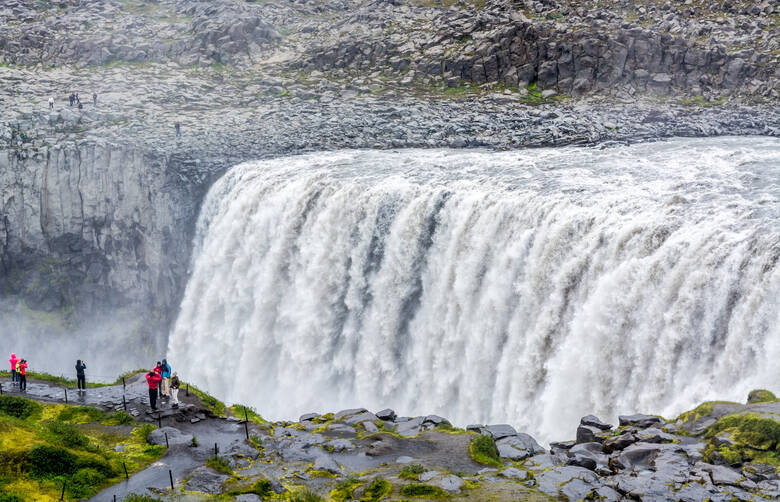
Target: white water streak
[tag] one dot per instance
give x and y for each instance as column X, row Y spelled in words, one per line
column 529, row 287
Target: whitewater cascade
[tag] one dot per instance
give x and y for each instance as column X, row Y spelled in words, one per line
column 529, row 287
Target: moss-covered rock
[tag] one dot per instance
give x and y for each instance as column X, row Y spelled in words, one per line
column 760, row 396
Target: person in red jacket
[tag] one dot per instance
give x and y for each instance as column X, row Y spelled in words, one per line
column 23, row 375
column 13, row 361
column 153, row 379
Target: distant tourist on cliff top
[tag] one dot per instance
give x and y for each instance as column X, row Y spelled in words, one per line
column 175, row 390
column 71, row 98
column 177, row 126
column 80, row 378
column 21, row 368
column 153, row 380
column 94, row 98
column 51, row 103
column 14, row 361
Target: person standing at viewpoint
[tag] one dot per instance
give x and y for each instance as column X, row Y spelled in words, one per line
column 81, row 379
column 22, row 375
column 14, row 375
column 153, row 380
column 165, row 373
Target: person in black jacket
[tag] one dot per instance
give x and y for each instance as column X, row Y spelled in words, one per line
column 80, row 367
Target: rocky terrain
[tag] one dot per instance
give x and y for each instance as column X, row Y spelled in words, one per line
column 718, row 451
column 99, row 201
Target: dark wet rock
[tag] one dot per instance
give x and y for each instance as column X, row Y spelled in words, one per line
column 340, row 445
column 588, row 455
column 616, row 443
column 206, row 480
column 341, row 429
column 639, row 420
column 722, row 475
column 386, row 414
column 308, row 417
column 593, row 421
column 500, row 431
column 475, row 428
column 435, row 420
column 511, row 452
column 653, row 435
column 410, row 427
column 607, row 494
column 588, row 434
column 640, row 455
column 175, row 436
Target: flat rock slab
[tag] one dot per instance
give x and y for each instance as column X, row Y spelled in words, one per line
column 500, row 431
column 175, row 436
column 206, row 480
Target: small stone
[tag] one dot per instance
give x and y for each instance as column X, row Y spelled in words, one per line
column 386, row 414
column 403, row 459
column 514, row 473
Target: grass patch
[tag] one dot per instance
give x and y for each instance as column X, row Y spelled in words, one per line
column 305, row 495
column 214, row 405
column 345, row 490
column 424, row 491
column 377, row 490
column 237, row 410
column 19, row 407
column 412, row 472
column 220, row 464
column 483, row 450
column 54, row 444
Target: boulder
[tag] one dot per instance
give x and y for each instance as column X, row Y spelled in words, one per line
column 588, row 434
column 639, row 420
column 325, row 463
column 593, row 421
column 500, row 431
column 435, row 420
column 721, row 475
column 619, row 442
column 757, row 472
column 308, row 416
column 365, row 416
column 386, row 414
column 510, row 452
column 450, row 483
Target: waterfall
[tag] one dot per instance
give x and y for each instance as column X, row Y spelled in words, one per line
column 529, row 287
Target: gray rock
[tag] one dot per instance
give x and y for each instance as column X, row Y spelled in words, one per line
column 308, row 416
column 512, row 453
column 551, row 480
column 639, row 420
column 370, row 427
column 450, row 483
column 360, row 417
column 427, row 476
column 514, row 473
column 435, row 419
column 757, row 472
column 346, row 413
column 500, row 431
column 588, row 434
column 325, row 463
column 206, row 480
column 403, row 459
column 386, row 414
column 340, row 445
column 722, row 475
column 248, row 497
column 593, row 421
column 616, row 443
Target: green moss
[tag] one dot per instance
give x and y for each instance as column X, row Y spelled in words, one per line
column 424, row 491
column 66, row 434
column 377, row 490
column 345, row 490
column 760, row 396
column 484, row 451
column 242, row 411
column 755, row 438
column 305, row 495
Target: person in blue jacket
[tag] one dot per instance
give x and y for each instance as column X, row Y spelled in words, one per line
column 166, row 378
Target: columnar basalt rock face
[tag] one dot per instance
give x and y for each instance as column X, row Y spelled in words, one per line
column 93, row 227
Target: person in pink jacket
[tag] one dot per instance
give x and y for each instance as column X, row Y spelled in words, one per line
column 13, row 362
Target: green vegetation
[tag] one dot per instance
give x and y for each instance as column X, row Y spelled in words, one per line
column 760, row 396
column 213, row 404
column 220, row 464
column 411, row 471
column 237, row 410
column 262, row 488
column 44, row 447
column 345, row 490
column 377, row 490
column 755, row 438
column 424, row 491
column 305, row 495
column 484, row 451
